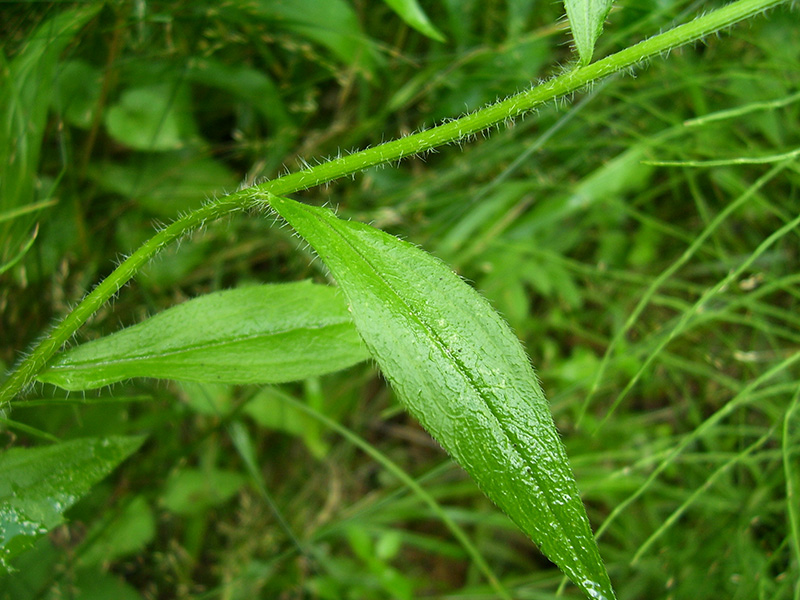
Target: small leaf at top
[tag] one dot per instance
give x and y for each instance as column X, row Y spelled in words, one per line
column 411, row 13
column 586, row 18
column 256, row 334
column 462, row 372
column 38, row 484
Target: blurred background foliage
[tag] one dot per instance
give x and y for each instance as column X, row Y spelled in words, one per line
column 119, row 116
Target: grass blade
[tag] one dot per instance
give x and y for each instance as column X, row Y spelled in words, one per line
column 462, row 372
column 791, row 453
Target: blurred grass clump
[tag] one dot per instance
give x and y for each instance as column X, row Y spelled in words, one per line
column 658, row 301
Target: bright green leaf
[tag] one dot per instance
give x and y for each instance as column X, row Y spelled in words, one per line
column 257, row 334
column 38, row 484
column 462, row 372
column 411, row 13
column 586, row 18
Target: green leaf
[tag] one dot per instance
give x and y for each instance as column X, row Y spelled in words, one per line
column 167, row 184
column 411, row 13
column 257, row 334
column 586, row 18
column 251, row 85
column 790, row 449
column 26, row 87
column 77, row 92
column 193, row 491
column 38, row 484
column 91, row 584
column 269, row 410
column 125, row 534
column 621, row 175
column 152, row 118
column 462, row 372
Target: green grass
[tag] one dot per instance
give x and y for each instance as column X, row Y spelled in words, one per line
column 658, row 302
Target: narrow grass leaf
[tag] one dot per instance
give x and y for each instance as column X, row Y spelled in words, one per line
column 38, row 484
column 257, row 334
column 791, row 459
column 586, row 18
column 22, row 251
column 26, row 87
column 411, row 13
column 462, row 372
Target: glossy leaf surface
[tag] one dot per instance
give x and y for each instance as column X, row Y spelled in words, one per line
column 258, row 334
column 38, row 484
column 461, row 371
column 586, row 18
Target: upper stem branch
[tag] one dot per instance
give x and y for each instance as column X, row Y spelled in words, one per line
column 390, row 151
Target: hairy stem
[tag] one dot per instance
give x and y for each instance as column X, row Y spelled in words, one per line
column 446, row 133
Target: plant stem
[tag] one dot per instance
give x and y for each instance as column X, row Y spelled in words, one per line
column 35, row 362
column 422, row 141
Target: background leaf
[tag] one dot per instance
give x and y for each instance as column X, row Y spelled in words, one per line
column 461, row 371
column 128, row 532
column 77, row 92
column 269, row 409
column 38, row 484
column 586, row 18
column 257, row 334
column 193, row 491
column 154, row 117
column 167, row 184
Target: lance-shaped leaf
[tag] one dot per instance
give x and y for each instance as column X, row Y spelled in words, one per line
column 462, row 372
column 586, row 18
column 257, row 334
column 411, row 12
column 38, row 484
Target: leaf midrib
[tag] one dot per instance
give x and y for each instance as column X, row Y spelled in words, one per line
column 189, row 348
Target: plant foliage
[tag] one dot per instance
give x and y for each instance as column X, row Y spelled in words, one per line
column 639, row 243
